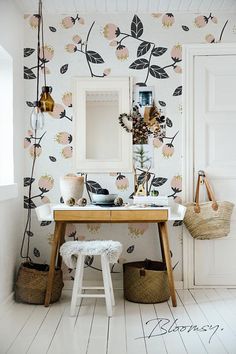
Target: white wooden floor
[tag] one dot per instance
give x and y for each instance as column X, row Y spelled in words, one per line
column 205, row 323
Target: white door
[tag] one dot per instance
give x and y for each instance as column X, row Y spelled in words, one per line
column 215, row 152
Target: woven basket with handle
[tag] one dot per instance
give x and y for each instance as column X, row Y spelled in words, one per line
column 146, row 282
column 31, row 284
column 208, row 220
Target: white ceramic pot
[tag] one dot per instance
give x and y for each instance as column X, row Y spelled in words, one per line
column 71, row 186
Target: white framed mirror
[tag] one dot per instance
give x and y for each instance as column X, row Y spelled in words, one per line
column 100, row 143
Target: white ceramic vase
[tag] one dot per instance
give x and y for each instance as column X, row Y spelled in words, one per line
column 71, row 186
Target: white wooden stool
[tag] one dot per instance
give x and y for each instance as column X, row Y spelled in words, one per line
column 74, row 253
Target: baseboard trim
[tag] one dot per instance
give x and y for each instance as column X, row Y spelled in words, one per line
column 7, row 302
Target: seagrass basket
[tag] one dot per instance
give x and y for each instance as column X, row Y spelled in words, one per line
column 145, row 282
column 31, row 284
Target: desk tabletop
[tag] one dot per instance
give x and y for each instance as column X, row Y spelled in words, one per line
column 173, row 212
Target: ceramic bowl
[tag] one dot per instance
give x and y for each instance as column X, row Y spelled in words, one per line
column 103, row 198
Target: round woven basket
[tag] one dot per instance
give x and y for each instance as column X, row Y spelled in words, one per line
column 145, row 282
column 31, row 284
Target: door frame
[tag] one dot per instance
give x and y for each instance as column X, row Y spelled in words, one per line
column 190, row 51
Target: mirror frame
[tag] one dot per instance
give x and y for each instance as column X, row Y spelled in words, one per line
column 80, row 163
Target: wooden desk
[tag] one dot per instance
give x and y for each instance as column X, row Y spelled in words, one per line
column 64, row 215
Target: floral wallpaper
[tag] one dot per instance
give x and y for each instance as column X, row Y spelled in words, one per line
column 148, row 48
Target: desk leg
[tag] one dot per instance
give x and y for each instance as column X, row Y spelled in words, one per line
column 166, row 249
column 59, row 229
column 161, row 243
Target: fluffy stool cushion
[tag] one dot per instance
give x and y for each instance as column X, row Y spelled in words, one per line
column 72, row 249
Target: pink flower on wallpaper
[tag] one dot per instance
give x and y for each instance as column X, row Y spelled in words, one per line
column 67, row 99
column 122, row 183
column 122, row 52
column 48, row 52
column 77, row 39
column 35, row 150
column 45, row 200
column 30, row 133
column 71, row 48
column 157, row 143
column 214, row 19
column 58, row 111
column 107, row 72
column 47, row 70
column 176, row 184
column 67, row 152
column 156, row 14
column 178, row 200
column 210, row 38
column 81, row 20
column 178, row 69
column 45, row 183
column 63, row 138
column 168, row 20
column 70, row 230
column 68, row 22
column 176, row 53
column 137, row 229
column 113, row 43
column 27, row 143
column 111, row 31
column 168, row 150
column 34, row 21
column 201, row 21
column 93, row 228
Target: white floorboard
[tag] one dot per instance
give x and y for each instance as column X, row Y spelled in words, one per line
column 133, row 328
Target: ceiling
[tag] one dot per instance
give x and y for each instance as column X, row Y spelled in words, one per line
column 124, row 6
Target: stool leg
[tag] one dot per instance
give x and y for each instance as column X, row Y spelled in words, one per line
column 110, row 285
column 105, row 275
column 77, row 287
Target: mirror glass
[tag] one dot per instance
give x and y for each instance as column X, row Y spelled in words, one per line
column 102, row 126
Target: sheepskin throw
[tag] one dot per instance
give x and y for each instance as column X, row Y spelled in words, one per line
column 72, row 249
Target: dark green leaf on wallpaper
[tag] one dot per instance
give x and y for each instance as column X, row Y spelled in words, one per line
column 89, row 260
column 143, row 48
column 64, row 69
column 171, row 253
column 28, row 203
column 178, row 91
column 130, row 249
column 136, row 27
column 45, row 223
column 52, row 158
column 29, row 104
column 158, row 181
column 156, row 52
column 158, row 72
column 139, row 64
column 28, row 51
column 28, row 181
column 178, row 223
column 143, row 176
column 52, row 29
column 30, row 233
column 169, row 122
column 162, row 103
column 185, row 28
column 94, row 57
column 61, row 200
column 28, row 74
column 131, row 196
column 36, row 252
column 93, row 186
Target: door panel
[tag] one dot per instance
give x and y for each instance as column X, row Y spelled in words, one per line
column 215, row 152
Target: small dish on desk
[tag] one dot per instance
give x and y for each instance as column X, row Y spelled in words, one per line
column 103, row 199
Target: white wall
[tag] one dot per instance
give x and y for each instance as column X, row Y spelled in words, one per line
column 11, row 211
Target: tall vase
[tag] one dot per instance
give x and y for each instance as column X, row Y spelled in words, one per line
column 71, row 186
